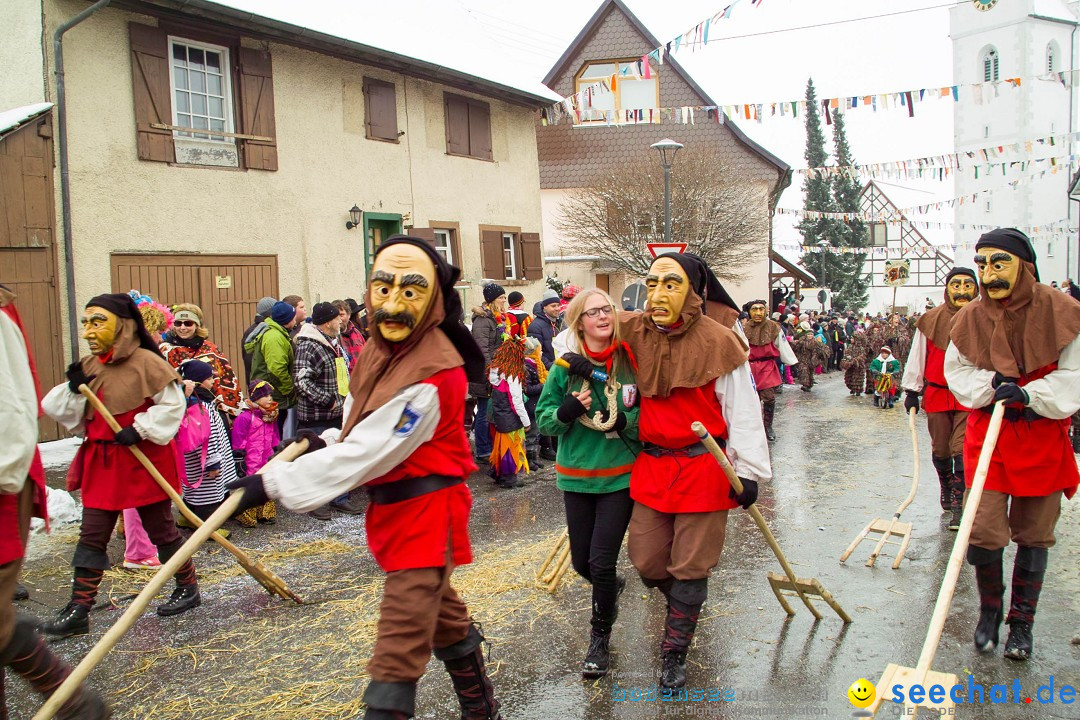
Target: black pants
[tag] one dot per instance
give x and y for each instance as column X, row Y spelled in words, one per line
column 597, row 524
column 97, row 527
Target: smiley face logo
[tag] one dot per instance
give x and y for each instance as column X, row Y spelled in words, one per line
column 861, row 693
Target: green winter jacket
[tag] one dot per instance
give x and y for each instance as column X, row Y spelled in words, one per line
column 892, row 366
column 272, row 361
column 588, row 461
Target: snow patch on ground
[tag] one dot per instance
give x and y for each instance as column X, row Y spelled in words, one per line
column 62, row 510
column 59, row 453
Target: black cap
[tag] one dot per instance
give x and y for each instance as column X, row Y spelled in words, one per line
column 702, row 279
column 323, row 313
column 1013, row 241
column 961, row 271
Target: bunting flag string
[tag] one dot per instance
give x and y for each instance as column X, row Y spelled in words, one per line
column 878, row 251
column 896, row 220
column 942, row 167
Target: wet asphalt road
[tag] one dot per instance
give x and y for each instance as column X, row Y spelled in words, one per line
column 838, row 463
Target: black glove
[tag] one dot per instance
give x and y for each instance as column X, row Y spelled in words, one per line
column 748, row 496
column 314, row 441
column 570, row 410
column 254, row 492
column 620, row 421
column 911, row 401
column 76, row 376
column 579, row 365
column 999, row 379
column 1011, row 393
column 127, row 435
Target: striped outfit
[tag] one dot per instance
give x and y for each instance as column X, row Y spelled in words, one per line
column 219, row 468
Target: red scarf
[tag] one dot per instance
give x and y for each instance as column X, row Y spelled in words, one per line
column 607, row 356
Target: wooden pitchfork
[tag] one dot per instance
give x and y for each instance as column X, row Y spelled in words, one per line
column 139, row 604
column 893, row 526
column 555, row 564
column 273, row 584
column 803, row 587
column 921, row 674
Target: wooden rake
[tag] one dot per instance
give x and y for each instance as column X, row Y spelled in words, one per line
column 273, row 584
column 921, row 674
column 555, row 564
column 138, row 606
column 888, row 528
column 802, row 587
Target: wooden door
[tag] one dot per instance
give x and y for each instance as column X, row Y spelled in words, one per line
column 603, row 282
column 226, row 287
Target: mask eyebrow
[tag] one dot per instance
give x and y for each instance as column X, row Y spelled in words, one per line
column 1001, row 257
column 382, row 276
column 673, row 277
column 980, row 259
column 414, row 279
column 95, row 317
column 652, row 278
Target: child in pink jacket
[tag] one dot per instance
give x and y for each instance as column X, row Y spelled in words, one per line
column 255, row 432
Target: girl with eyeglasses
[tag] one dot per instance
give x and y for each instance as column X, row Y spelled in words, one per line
column 596, row 422
column 187, row 340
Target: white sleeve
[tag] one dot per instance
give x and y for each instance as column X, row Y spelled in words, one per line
column 65, row 407
column 747, row 446
column 916, row 363
column 374, row 447
column 969, row 384
column 160, row 422
column 517, row 399
column 1057, row 395
column 563, row 343
column 18, row 421
column 787, row 355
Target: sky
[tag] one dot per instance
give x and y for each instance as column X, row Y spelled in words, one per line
column 765, row 53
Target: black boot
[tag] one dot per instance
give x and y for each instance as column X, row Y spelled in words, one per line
column 390, row 700
column 28, row 655
column 21, row 593
column 1028, row 572
column 598, row 658
column 768, row 410
column 533, row 458
column 684, row 606
column 465, row 662
column 991, row 583
column 605, row 610
column 956, row 504
column 74, row 619
column 186, row 595
column 944, row 467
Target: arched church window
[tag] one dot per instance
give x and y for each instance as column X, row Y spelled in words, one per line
column 990, row 64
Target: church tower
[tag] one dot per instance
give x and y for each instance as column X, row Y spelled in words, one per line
column 1035, row 40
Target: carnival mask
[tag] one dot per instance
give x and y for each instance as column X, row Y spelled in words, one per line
column 402, row 285
column 757, row 313
column 99, row 329
column 961, row 290
column 668, row 287
column 998, row 271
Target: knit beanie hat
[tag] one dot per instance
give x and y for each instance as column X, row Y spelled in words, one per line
column 282, row 312
column 493, row 291
column 323, row 313
column 196, row 371
column 550, row 296
column 515, row 297
column 260, row 389
column 264, row 306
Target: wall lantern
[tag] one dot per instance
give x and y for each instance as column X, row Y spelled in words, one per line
column 355, row 214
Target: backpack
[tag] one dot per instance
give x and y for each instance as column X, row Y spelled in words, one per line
column 194, row 433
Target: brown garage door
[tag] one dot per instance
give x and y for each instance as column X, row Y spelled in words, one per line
column 226, row 287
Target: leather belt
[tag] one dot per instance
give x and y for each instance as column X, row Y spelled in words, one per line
column 1013, row 414
column 694, row 450
column 409, row 488
column 937, row 385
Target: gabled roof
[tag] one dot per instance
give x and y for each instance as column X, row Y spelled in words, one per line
column 15, row 118
column 591, row 26
column 791, row 268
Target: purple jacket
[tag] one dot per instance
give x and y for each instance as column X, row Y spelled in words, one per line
column 255, row 436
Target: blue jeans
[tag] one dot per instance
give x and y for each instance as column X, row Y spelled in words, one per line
column 481, row 433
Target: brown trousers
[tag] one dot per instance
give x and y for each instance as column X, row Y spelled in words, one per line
column 419, row 612
column 685, row 546
column 1028, row 521
column 946, row 432
column 9, row 572
column 767, row 394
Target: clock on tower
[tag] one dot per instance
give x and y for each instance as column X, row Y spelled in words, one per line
column 984, row 5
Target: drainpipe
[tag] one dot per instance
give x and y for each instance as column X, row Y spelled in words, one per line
column 65, row 189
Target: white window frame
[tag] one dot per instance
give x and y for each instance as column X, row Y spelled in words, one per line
column 991, row 64
column 509, row 241
column 226, row 71
column 447, row 252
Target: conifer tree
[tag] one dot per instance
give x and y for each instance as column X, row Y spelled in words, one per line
column 852, row 288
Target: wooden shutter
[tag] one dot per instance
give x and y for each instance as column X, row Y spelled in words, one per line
column 457, row 125
column 479, row 130
column 530, row 257
column 380, row 109
column 153, row 95
column 257, row 109
column 491, row 254
column 427, row 234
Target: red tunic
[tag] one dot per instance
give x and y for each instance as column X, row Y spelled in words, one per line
column 763, row 365
column 110, row 476
column 416, row 533
column 680, row 484
column 11, row 547
column 935, row 398
column 1031, row 459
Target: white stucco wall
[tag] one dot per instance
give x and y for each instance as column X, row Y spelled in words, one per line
column 21, row 63
column 122, row 204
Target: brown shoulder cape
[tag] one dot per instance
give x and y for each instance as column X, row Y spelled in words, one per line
column 764, row 333
column 936, row 324
column 691, row 355
column 1021, row 335
column 131, row 375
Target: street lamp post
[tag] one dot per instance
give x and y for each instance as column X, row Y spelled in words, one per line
column 667, row 149
column 823, row 244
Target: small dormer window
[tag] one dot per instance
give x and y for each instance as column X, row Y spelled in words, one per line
column 634, row 100
column 990, row 64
